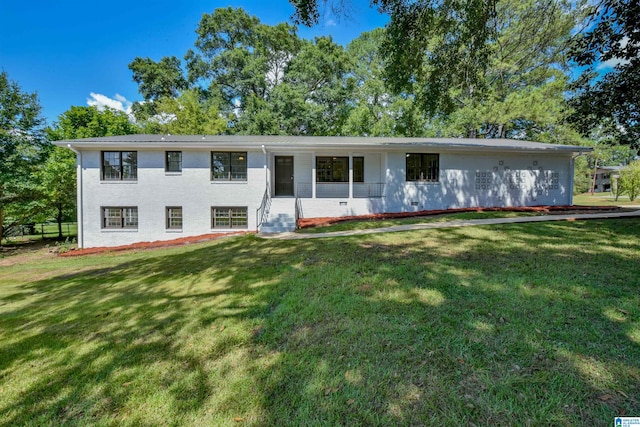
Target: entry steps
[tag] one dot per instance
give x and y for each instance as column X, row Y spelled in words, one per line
column 281, row 217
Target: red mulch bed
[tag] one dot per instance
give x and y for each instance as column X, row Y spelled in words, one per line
column 156, row 244
column 320, row 222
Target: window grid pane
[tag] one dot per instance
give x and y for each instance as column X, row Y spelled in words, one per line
column 228, row 166
column 130, row 217
column 332, row 169
column 174, row 161
column 120, row 217
column 112, row 218
column 129, row 165
column 174, row 217
column 422, row 167
column 229, row 217
column 110, row 165
column 119, row 165
column 358, row 169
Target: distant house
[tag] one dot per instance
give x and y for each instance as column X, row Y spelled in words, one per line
column 604, row 177
column 153, row 187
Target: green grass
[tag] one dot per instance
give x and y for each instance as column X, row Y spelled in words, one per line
column 602, row 199
column 379, row 223
column 50, row 230
column 521, row 324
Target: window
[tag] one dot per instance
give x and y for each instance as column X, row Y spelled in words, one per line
column 423, row 167
column 227, row 166
column 336, row 169
column 119, row 165
column 173, row 161
column 174, row 218
column 228, row 217
column 117, row 217
column 358, row 169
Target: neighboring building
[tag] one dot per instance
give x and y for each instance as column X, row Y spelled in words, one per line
column 605, row 176
column 151, row 187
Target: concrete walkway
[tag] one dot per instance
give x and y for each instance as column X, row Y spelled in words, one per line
column 451, row 224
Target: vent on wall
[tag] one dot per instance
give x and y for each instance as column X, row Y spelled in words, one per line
column 414, row 203
column 343, row 203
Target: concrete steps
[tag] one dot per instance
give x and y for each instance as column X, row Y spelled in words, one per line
column 281, row 218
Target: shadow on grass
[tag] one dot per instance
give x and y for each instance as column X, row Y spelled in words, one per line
column 521, row 324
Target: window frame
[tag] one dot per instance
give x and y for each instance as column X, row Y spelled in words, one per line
column 168, row 163
column 428, row 172
column 328, row 174
column 358, row 175
column 120, row 167
column 124, row 220
column 169, row 225
column 229, row 217
column 228, row 166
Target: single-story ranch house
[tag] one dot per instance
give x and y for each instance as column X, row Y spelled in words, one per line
column 139, row 188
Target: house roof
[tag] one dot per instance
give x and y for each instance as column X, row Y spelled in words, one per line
column 277, row 142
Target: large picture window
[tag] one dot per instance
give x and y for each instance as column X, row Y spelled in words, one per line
column 228, row 166
column 120, row 217
column 336, row 169
column 229, row 217
column 423, row 167
column 174, row 218
column 119, row 165
column 173, row 161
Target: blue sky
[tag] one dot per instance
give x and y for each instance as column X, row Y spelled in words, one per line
column 73, row 52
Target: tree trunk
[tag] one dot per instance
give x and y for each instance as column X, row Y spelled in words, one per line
column 595, row 173
column 1, row 224
column 59, row 218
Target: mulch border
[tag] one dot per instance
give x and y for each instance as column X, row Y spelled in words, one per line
column 324, row 221
column 155, row 244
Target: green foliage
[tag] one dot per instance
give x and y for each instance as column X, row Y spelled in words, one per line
column 629, row 180
column 186, row 114
column 22, row 148
column 56, row 179
column 376, row 111
column 158, row 79
column 87, row 122
column 612, row 100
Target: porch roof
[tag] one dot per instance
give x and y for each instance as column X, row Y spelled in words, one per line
column 310, row 143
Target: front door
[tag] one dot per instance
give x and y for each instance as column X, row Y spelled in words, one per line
column 284, row 176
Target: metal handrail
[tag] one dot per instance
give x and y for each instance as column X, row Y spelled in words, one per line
column 263, row 211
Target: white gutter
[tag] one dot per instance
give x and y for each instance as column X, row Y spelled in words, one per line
column 79, row 195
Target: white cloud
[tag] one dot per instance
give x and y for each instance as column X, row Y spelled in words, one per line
column 330, row 23
column 613, row 62
column 120, row 103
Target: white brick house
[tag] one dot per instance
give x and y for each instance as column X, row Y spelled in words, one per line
column 139, row 188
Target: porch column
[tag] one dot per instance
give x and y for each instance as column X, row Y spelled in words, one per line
column 351, row 175
column 313, row 175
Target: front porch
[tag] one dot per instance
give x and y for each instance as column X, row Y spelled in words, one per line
column 340, row 190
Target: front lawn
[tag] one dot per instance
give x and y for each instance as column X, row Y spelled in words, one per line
column 602, row 199
column 521, row 324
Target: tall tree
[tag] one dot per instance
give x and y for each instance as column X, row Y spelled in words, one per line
column 522, row 88
column 87, row 122
column 186, row 114
column 56, row 177
column 158, row 79
column 376, row 110
column 425, row 41
column 22, row 148
column 612, row 100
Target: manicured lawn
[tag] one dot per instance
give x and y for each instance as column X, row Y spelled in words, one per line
column 379, row 223
column 602, row 199
column 522, row 324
